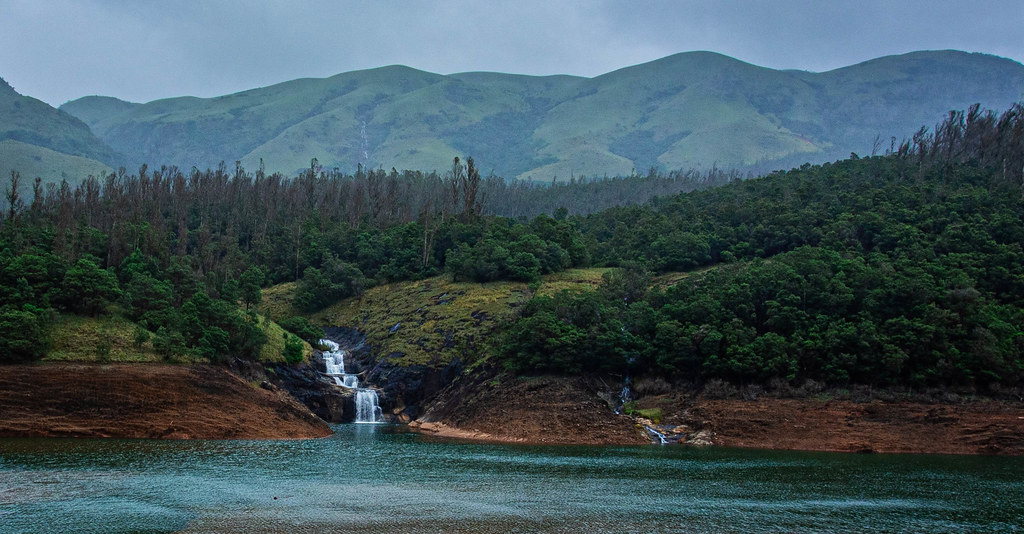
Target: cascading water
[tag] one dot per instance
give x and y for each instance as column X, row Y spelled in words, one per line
column 368, row 409
column 625, row 396
column 334, row 360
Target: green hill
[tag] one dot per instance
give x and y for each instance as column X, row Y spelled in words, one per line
column 39, row 140
column 694, row 109
column 437, row 319
column 52, row 166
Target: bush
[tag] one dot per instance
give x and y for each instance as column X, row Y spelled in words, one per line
column 301, row 327
column 319, row 288
column 23, row 334
column 292, row 349
column 87, row 288
column 140, row 337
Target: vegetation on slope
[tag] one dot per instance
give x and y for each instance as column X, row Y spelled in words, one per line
column 894, row 270
column 690, row 110
column 888, row 271
column 434, row 320
column 50, row 166
column 38, row 140
column 59, row 310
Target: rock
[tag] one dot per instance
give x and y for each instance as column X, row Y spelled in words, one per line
column 401, row 388
column 327, row 401
column 701, row 439
column 679, row 430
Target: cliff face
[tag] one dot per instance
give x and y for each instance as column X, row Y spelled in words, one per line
column 147, row 401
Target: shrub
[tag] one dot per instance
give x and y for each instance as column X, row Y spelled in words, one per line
column 301, row 327
column 292, row 349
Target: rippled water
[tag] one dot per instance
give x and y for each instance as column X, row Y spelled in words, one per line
column 379, row 478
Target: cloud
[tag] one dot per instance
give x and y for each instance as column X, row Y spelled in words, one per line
column 142, row 49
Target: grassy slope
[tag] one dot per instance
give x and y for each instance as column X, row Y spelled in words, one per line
column 273, row 350
column 437, row 319
column 32, row 161
column 38, row 140
column 76, row 338
column 31, row 121
column 685, row 110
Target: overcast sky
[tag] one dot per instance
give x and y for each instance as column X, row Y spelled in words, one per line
column 141, row 50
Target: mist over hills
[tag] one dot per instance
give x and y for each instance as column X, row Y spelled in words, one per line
column 694, row 109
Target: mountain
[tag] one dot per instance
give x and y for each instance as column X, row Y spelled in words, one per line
column 694, row 109
column 39, row 140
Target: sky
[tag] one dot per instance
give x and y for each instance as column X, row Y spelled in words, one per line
column 142, row 50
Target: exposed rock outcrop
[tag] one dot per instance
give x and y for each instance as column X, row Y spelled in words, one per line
column 403, row 389
column 329, row 402
column 970, row 427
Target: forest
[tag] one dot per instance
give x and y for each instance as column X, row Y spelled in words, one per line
column 900, row 269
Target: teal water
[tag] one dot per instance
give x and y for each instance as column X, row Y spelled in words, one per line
column 375, row 478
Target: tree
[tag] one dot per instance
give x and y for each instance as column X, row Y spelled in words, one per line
column 292, row 349
column 87, row 288
column 320, row 287
column 23, row 334
column 13, row 196
column 249, row 286
column 470, row 190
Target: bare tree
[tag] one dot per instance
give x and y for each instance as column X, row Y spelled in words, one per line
column 13, row 198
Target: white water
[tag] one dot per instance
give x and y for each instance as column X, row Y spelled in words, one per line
column 660, row 435
column 368, row 409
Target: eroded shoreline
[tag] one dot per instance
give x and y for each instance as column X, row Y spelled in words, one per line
column 156, row 401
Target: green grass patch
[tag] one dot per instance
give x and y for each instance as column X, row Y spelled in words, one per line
column 431, row 321
column 273, row 350
column 108, row 338
column 112, row 339
column 654, row 414
column 32, row 161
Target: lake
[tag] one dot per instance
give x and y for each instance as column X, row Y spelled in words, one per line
column 380, row 478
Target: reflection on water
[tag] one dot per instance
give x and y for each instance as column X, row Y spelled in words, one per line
column 379, row 478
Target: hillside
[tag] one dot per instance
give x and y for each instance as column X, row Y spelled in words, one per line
column 146, row 401
column 889, row 280
column 52, row 166
column 432, row 321
column 695, row 109
column 38, row 140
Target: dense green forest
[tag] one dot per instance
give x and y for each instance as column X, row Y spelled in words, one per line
column 901, row 269
column 897, row 270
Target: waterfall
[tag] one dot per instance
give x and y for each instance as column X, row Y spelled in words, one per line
column 625, row 396
column 334, row 360
column 368, row 409
column 660, row 435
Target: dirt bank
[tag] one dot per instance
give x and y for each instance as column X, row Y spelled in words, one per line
column 545, row 410
column 146, row 401
column 979, row 427
column 551, row 410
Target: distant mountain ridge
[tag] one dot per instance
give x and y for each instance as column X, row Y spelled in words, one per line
column 694, row 109
column 39, row 140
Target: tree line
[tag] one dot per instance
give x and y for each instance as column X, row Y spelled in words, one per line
column 896, row 270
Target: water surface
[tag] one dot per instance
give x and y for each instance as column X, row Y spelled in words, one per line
column 375, row 478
